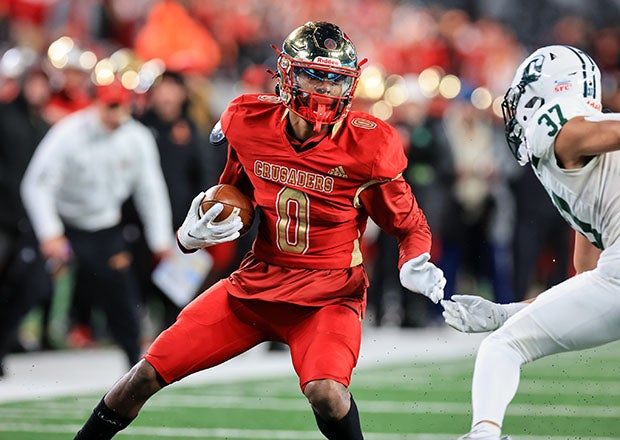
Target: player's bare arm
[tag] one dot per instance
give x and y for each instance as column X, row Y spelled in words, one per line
column 582, row 138
column 586, row 255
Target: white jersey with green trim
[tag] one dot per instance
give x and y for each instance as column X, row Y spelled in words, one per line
column 589, row 197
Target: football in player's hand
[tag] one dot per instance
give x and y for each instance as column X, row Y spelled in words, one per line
column 234, row 201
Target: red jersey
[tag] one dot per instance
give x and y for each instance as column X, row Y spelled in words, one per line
column 314, row 203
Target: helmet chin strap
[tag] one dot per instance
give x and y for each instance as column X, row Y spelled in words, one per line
column 318, row 123
column 324, row 115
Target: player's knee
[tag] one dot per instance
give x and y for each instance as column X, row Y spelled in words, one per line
column 144, row 380
column 505, row 344
column 498, row 340
column 330, row 399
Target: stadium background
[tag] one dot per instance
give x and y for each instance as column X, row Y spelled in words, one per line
column 429, row 58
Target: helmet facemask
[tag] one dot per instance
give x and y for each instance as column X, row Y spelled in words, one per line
column 321, row 94
column 515, row 133
column 318, row 73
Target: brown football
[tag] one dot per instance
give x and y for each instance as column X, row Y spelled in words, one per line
column 233, row 200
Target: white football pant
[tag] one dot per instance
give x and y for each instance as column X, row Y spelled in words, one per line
column 579, row 313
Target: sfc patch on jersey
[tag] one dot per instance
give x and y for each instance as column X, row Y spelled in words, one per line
column 363, row 123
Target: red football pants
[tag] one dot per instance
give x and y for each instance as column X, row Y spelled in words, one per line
column 216, row 326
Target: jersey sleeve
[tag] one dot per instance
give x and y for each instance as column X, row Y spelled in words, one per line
column 393, row 207
column 234, row 173
column 390, row 202
column 548, row 121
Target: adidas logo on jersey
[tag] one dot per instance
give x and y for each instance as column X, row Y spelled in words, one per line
column 338, row 172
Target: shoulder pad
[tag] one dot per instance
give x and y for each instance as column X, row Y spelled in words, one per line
column 546, row 123
column 217, row 136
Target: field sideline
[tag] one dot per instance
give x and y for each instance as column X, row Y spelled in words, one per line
column 409, row 385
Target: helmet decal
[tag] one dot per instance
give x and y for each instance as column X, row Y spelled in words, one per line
column 329, row 44
column 562, row 85
column 533, row 70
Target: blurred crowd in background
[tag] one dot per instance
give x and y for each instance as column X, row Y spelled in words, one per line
column 437, row 71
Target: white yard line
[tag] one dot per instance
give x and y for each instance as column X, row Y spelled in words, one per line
column 53, row 410
column 378, row 406
column 63, row 373
column 161, row 432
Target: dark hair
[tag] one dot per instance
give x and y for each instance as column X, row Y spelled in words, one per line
column 174, row 76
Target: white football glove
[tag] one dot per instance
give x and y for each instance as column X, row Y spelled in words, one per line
column 202, row 232
column 421, row 276
column 474, row 314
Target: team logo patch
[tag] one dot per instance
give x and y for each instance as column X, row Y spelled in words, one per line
column 269, row 98
column 363, row 123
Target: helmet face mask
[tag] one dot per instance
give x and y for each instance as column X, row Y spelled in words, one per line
column 550, row 73
column 515, row 134
column 318, row 73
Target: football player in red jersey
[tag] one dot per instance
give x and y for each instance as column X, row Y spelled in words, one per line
column 317, row 171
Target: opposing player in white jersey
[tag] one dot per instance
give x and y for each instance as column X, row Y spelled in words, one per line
column 553, row 118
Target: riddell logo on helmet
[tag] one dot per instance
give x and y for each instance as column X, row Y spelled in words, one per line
column 562, row 86
column 327, row 61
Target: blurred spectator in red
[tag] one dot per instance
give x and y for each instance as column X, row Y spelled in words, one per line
column 72, row 87
column 173, row 36
column 414, row 44
column 185, row 46
column 256, row 79
column 232, row 26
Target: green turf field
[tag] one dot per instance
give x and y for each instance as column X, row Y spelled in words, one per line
column 569, row 396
